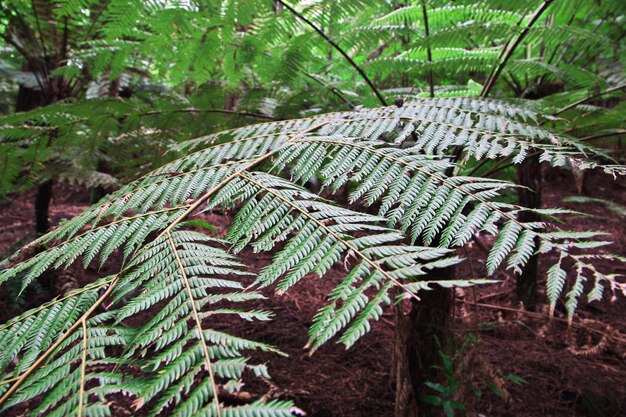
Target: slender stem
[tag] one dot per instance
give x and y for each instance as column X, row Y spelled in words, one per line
column 41, row 39
column 196, row 316
column 222, row 111
column 497, row 70
column 83, row 372
column 66, row 37
column 499, row 167
column 482, row 164
column 618, row 132
column 341, row 51
column 541, row 316
column 331, row 89
column 431, row 83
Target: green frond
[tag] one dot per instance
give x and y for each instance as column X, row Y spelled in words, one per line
column 176, row 282
column 440, row 16
column 185, row 279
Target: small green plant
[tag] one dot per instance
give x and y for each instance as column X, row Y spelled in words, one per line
column 445, row 392
column 451, row 392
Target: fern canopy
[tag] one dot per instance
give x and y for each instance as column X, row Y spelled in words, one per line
column 71, row 352
column 151, row 332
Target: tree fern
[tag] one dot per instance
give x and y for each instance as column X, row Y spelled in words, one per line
column 71, row 352
column 148, row 332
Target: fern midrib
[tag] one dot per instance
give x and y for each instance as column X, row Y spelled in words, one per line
column 198, row 322
column 83, row 371
column 331, row 233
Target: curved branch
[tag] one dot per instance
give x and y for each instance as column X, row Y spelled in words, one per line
column 495, row 73
column 341, row 51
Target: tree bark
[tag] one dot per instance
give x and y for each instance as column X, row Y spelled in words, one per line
column 529, row 175
column 42, row 207
column 29, row 99
column 422, row 330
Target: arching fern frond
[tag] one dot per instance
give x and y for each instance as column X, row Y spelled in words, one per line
column 185, row 272
column 174, row 279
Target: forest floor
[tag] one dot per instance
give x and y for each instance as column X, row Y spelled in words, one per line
column 508, row 361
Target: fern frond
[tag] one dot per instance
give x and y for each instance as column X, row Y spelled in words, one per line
column 181, row 278
column 320, row 233
column 440, row 16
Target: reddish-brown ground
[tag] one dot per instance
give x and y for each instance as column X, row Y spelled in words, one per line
column 520, row 364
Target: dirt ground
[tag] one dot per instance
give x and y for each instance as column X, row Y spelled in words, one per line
column 508, row 361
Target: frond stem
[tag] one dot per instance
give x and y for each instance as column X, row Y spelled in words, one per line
column 331, row 233
column 497, row 70
column 340, row 50
column 205, row 349
column 83, row 372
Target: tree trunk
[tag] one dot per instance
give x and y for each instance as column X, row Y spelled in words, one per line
column 29, row 99
column 422, row 330
column 529, row 175
column 42, row 207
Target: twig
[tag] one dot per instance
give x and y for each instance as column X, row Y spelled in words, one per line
column 493, row 76
column 542, row 317
column 331, row 89
column 431, row 83
column 341, row 51
column 222, row 111
column 583, row 100
column 618, row 132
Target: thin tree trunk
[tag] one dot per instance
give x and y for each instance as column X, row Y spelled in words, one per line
column 422, row 328
column 29, row 99
column 42, row 207
column 529, row 175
